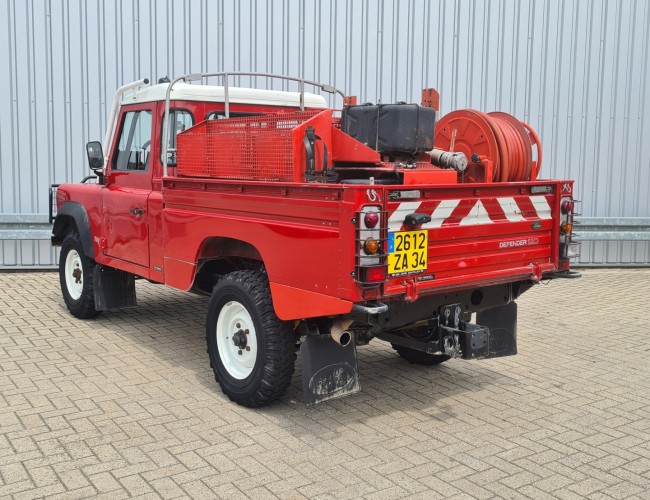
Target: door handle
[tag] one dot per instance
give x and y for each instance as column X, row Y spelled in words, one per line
column 137, row 211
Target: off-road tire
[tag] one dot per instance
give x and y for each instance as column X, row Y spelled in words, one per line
column 83, row 306
column 420, row 357
column 275, row 358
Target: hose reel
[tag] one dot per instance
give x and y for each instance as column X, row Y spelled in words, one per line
column 498, row 146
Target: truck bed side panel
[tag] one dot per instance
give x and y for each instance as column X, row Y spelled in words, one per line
column 294, row 229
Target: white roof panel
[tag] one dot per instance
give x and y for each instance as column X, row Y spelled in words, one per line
column 215, row 93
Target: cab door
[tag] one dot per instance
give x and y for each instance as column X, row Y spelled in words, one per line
column 128, row 186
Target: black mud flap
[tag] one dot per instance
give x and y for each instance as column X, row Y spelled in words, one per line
column 502, row 324
column 113, row 288
column 329, row 370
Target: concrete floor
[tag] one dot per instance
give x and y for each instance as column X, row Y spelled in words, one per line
column 126, row 405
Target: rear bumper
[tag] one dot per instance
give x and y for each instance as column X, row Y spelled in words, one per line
column 563, row 274
column 412, row 289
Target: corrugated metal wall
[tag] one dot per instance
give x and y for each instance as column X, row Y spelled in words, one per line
column 576, row 70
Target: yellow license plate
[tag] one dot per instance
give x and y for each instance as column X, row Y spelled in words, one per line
column 407, row 252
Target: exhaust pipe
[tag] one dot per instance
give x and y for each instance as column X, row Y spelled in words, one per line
column 339, row 332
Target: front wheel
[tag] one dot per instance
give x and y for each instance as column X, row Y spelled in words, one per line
column 252, row 352
column 76, row 278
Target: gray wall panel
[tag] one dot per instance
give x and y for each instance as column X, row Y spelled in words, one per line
column 577, row 70
column 615, row 253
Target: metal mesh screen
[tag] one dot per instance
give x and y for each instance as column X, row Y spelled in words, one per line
column 248, row 148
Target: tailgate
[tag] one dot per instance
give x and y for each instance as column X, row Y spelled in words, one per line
column 475, row 235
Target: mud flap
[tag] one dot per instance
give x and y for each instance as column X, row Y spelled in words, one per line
column 502, row 323
column 329, row 370
column 113, row 288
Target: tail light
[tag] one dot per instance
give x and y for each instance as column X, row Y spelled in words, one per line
column 567, row 207
column 370, row 254
column 568, row 246
column 566, row 227
column 371, row 246
column 371, row 219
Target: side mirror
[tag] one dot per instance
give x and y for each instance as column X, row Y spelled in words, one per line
column 95, row 155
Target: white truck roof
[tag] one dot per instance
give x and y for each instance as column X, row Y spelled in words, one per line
column 215, row 93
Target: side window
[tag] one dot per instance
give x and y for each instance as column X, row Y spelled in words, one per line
column 181, row 120
column 221, row 115
column 134, row 145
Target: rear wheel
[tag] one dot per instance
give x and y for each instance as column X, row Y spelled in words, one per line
column 252, row 352
column 419, row 357
column 76, row 278
column 419, row 332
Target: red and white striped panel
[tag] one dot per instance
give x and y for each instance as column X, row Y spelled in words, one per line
column 474, row 211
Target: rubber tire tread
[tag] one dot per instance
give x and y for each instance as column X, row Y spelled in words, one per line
column 84, row 308
column 420, row 357
column 275, row 340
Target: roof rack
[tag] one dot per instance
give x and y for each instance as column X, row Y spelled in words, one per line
column 192, row 77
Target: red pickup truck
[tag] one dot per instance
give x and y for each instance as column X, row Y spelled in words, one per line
column 314, row 229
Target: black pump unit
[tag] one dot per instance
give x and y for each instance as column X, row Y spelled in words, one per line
column 392, row 129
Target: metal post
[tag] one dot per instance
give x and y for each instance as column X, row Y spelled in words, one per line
column 108, row 137
column 166, row 123
column 301, row 86
column 225, row 95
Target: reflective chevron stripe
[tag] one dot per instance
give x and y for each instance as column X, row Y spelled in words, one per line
column 511, row 209
column 441, row 213
column 396, row 219
column 452, row 213
column 542, row 207
column 477, row 215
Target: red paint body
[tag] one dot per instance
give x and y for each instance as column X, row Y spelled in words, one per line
column 305, row 232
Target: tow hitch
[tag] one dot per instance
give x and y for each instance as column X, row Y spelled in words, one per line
column 460, row 339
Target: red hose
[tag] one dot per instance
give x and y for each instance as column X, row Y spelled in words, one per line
column 518, row 144
column 516, row 154
column 502, row 169
column 538, row 144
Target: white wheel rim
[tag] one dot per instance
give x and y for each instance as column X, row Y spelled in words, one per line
column 74, row 278
column 238, row 360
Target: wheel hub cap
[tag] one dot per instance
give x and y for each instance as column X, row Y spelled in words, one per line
column 236, row 339
column 239, row 338
column 74, row 274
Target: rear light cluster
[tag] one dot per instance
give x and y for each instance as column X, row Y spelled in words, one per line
column 568, row 246
column 370, row 252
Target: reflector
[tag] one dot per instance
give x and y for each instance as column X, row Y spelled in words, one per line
column 374, row 274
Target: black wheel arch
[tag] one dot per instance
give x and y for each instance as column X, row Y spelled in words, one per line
column 73, row 214
column 219, row 256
